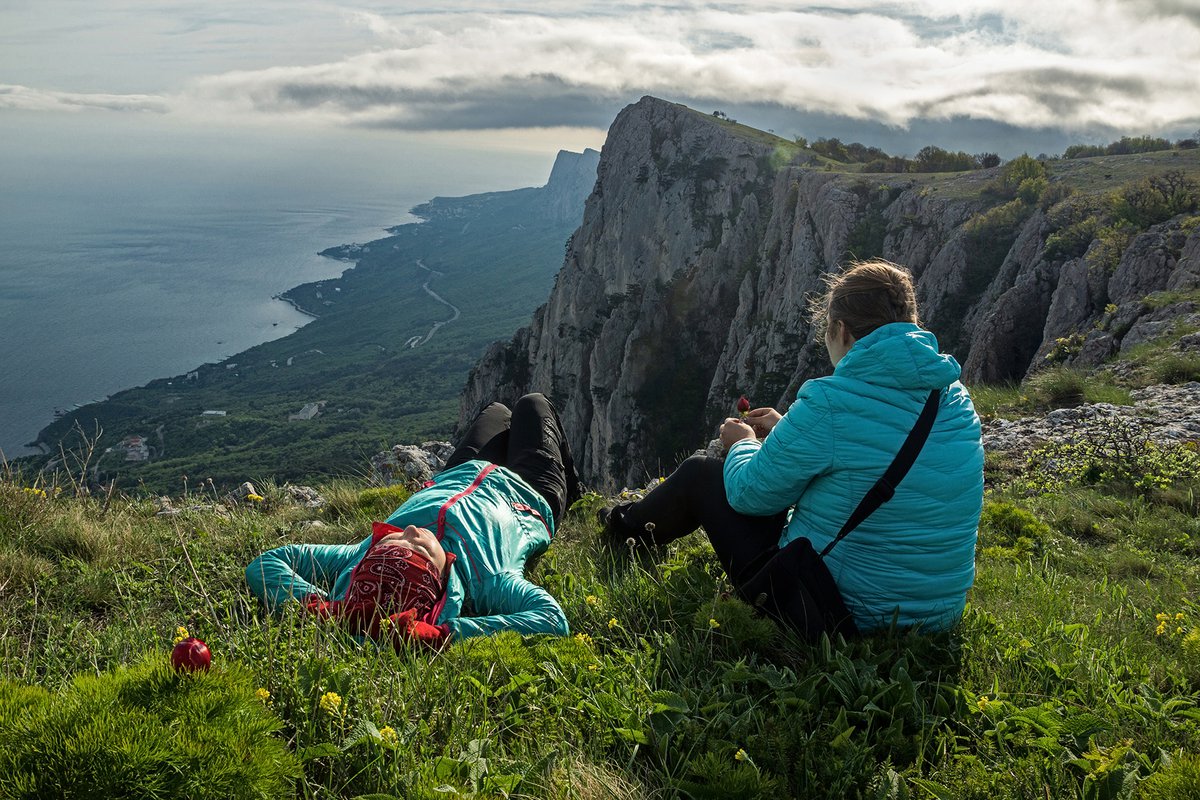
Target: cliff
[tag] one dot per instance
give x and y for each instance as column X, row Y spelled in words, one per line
column 688, row 282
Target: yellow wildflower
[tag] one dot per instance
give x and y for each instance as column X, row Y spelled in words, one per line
column 740, row 755
column 34, row 492
column 1178, row 617
column 612, row 623
column 387, row 735
column 262, row 694
column 1161, row 629
column 583, row 638
column 254, row 498
column 712, row 623
column 983, row 703
column 1162, row 617
column 593, row 667
column 181, row 633
column 592, row 600
column 331, row 703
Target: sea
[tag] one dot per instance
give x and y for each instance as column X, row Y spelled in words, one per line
column 134, row 250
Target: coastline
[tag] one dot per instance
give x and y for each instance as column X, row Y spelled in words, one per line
column 283, row 296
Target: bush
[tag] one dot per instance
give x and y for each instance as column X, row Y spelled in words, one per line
column 1120, row 454
column 1060, row 387
column 1015, row 175
column 1180, row 780
column 382, row 501
column 375, row 503
column 1010, row 530
column 1177, row 368
column 1155, row 199
column 144, row 731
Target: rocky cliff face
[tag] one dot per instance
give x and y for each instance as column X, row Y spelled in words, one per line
column 571, row 178
column 701, row 245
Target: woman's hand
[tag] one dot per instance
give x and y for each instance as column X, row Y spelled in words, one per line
column 762, row 420
column 733, row 431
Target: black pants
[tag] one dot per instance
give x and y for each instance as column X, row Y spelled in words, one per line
column 530, row 441
column 693, row 496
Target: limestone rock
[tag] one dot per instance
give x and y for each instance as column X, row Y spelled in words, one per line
column 411, row 465
column 305, row 496
column 1162, row 413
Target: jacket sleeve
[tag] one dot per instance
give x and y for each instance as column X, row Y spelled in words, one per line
column 768, row 477
column 298, row 570
column 515, row 605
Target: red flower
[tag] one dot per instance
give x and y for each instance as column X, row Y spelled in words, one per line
column 743, row 405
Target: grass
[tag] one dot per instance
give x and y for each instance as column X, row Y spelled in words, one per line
column 1055, row 387
column 1062, row 680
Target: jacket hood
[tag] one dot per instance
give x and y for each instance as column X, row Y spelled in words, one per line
column 899, row 355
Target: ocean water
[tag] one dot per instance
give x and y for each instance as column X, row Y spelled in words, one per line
column 133, row 252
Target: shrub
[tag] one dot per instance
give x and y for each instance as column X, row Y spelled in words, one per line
column 144, row 731
column 382, row 501
column 1179, row 780
column 737, row 625
column 1064, row 348
column 717, row 776
column 1119, row 453
column 1016, row 174
column 1155, row 199
column 1007, row 529
column 375, row 503
column 1060, row 387
column 1177, row 368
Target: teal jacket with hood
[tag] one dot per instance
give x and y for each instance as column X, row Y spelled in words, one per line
column 914, row 558
column 488, row 517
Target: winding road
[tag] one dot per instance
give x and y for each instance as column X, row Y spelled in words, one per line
column 417, row 341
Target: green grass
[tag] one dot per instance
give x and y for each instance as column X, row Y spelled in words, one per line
column 1062, row 679
column 1056, row 387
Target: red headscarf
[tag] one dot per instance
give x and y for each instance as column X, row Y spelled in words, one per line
column 390, row 578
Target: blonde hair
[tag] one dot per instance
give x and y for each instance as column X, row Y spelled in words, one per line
column 866, row 296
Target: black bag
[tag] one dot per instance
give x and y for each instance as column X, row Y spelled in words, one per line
column 795, row 588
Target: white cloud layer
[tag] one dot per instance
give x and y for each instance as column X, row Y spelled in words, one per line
column 23, row 98
column 1130, row 65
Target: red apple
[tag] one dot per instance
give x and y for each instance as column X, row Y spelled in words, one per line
column 190, row 655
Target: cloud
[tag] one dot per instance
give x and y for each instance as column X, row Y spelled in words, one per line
column 24, row 98
column 1076, row 64
column 1131, row 65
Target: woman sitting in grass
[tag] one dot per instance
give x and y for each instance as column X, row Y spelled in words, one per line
column 801, row 474
column 449, row 562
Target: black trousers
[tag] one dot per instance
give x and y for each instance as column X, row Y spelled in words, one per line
column 693, row 496
column 530, row 441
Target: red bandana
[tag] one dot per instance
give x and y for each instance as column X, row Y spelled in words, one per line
column 390, row 578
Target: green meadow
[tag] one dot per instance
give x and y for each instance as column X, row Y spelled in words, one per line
column 1075, row 672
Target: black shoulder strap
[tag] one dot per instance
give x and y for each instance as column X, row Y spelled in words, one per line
column 885, row 487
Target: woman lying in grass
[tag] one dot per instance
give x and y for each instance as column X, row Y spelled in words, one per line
column 800, row 476
column 462, row 542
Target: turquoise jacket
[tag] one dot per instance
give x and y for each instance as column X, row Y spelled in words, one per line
column 914, row 558
column 491, row 520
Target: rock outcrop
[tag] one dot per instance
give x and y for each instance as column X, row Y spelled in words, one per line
column 1160, row 413
column 702, row 244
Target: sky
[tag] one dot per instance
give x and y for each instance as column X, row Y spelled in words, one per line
column 999, row 73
